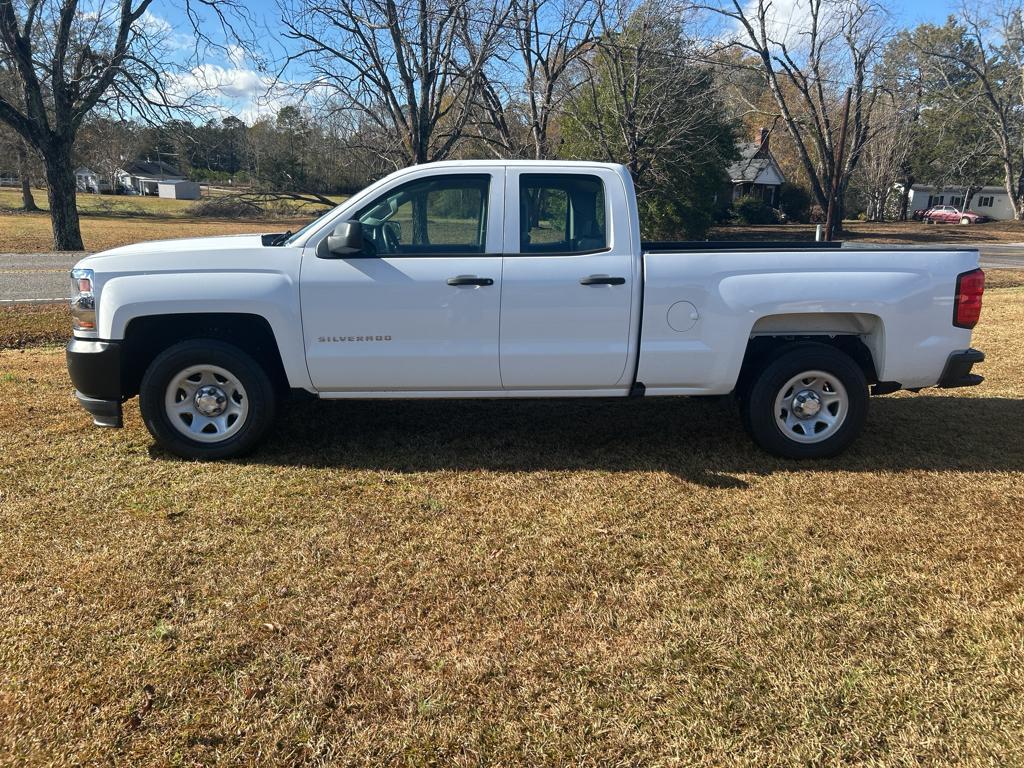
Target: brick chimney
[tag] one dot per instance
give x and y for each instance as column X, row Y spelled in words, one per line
column 765, row 133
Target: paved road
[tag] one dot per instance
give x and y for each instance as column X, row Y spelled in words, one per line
column 1002, row 256
column 42, row 277
column 35, row 277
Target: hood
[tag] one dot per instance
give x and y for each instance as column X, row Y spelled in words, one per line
column 196, row 254
column 183, row 245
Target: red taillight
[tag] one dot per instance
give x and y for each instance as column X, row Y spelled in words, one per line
column 967, row 302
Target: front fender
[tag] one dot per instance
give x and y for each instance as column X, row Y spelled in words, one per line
column 273, row 296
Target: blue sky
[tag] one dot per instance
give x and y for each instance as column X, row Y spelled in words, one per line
column 240, row 89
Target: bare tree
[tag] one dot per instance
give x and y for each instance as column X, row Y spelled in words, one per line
column 62, row 75
column 984, row 70
column 66, row 61
column 550, row 36
column 12, row 143
column 12, row 146
column 412, row 70
column 28, row 202
column 885, row 155
column 807, row 67
column 107, row 145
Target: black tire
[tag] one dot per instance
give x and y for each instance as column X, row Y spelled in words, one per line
column 261, row 403
column 758, row 407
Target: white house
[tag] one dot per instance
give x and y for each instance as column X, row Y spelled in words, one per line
column 86, row 180
column 145, row 176
column 179, row 190
column 991, row 201
column 756, row 173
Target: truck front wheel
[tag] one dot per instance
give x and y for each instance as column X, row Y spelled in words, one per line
column 204, row 399
column 810, row 402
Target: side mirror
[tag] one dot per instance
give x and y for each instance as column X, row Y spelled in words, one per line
column 346, row 239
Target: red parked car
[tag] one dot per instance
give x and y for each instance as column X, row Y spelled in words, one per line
column 947, row 214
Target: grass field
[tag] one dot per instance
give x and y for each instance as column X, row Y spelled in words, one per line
column 499, row 583
column 109, row 221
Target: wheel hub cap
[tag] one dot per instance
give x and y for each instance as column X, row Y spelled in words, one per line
column 806, row 404
column 811, row 406
column 211, row 400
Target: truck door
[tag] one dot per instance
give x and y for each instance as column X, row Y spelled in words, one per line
column 418, row 309
column 567, row 280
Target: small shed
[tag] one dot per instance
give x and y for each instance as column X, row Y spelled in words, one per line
column 179, row 190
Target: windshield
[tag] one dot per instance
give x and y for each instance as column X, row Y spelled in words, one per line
column 296, row 235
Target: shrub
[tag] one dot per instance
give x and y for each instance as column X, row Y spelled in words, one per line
column 795, row 202
column 753, row 210
column 225, row 207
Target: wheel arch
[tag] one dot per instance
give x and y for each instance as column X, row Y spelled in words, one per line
column 769, row 340
column 147, row 336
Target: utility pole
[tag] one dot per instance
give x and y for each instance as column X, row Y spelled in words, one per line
column 833, row 202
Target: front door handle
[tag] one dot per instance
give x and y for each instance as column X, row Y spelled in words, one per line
column 602, row 280
column 470, row 280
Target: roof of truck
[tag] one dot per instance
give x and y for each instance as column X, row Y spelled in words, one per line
column 524, row 164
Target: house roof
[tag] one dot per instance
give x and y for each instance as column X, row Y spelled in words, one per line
column 754, row 160
column 988, row 189
column 152, row 169
column 84, row 171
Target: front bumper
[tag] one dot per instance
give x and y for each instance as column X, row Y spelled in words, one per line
column 957, row 372
column 95, row 370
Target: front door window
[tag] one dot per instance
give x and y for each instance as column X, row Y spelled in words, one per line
column 429, row 217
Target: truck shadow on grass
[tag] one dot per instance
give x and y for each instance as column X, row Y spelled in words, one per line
column 699, row 440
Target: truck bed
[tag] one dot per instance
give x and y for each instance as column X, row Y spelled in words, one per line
column 671, row 246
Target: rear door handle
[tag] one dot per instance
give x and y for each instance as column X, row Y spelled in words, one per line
column 602, row 280
column 470, row 280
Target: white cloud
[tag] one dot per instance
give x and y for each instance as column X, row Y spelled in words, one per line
column 229, row 89
column 161, row 30
column 786, row 19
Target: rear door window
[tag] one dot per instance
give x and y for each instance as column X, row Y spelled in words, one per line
column 561, row 213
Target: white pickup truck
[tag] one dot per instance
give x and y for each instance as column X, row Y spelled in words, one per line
column 511, row 279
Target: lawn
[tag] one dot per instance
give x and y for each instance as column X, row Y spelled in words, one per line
column 516, row 583
column 109, row 221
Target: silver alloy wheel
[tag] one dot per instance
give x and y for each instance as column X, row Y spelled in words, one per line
column 811, row 407
column 206, row 403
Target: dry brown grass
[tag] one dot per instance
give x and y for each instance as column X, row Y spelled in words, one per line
column 32, row 233
column 1004, row 278
column 23, row 325
column 598, row 583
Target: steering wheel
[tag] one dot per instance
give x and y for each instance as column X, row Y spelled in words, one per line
column 391, row 241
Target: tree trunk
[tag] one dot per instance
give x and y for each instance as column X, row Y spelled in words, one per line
column 62, row 194
column 420, row 234
column 908, row 182
column 28, row 202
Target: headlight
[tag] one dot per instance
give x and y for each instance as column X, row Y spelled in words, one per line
column 83, row 301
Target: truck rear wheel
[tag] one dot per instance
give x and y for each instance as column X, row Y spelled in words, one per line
column 204, row 399
column 810, row 402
